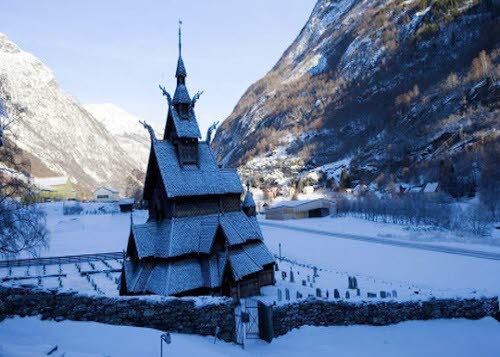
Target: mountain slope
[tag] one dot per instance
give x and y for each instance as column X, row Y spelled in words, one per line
column 125, row 127
column 53, row 128
column 379, row 86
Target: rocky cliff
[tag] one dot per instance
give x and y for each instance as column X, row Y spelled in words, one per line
column 375, row 86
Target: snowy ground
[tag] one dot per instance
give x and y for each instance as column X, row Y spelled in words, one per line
column 32, row 337
column 423, row 234
column 412, row 273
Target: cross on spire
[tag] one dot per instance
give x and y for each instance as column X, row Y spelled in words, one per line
column 180, row 37
column 180, row 73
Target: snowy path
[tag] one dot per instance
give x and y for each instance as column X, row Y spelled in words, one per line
column 393, row 242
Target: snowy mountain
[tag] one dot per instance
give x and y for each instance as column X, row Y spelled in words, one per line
column 56, row 132
column 127, row 130
column 390, row 87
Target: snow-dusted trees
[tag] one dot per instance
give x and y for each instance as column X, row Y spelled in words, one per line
column 22, row 223
column 437, row 210
column 489, row 182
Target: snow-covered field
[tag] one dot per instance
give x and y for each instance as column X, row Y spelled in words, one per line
column 22, row 337
column 412, row 273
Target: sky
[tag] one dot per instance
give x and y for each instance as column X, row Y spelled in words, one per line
column 119, row 51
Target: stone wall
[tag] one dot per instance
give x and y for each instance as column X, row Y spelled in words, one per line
column 175, row 315
column 331, row 313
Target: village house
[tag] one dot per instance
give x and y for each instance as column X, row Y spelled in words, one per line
column 54, row 188
column 199, row 238
column 106, row 194
column 297, row 209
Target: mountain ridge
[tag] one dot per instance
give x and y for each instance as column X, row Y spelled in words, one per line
column 53, row 129
column 367, row 84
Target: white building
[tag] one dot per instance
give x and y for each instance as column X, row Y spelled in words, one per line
column 106, row 194
column 320, row 207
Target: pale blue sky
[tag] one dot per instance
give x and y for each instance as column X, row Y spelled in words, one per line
column 119, row 51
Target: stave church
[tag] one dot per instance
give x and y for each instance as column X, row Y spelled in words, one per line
column 200, row 237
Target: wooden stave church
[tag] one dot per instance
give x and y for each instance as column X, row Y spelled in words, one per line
column 200, row 239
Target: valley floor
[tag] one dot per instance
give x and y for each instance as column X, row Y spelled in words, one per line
column 413, row 273
column 22, row 337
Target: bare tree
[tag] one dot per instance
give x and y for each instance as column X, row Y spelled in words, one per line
column 22, row 222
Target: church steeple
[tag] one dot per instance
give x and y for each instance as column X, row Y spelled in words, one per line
column 180, row 73
column 181, row 123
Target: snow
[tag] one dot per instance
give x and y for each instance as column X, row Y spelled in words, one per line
column 51, row 181
column 33, row 337
column 442, row 274
column 53, row 126
column 377, row 267
column 431, row 187
column 116, row 119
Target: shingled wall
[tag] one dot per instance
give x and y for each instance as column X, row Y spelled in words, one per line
column 174, row 315
column 336, row 313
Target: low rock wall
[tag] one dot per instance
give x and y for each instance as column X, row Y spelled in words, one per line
column 175, row 315
column 333, row 313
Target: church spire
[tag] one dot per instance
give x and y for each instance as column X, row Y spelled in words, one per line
column 180, row 73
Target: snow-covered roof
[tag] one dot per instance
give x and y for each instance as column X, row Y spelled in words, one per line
column 181, row 95
column 359, row 187
column 248, row 201
column 192, row 235
column 108, row 188
column 181, row 69
column 51, row 181
column 43, row 187
column 296, row 203
column 431, row 187
column 206, row 178
column 174, row 277
column 415, row 189
column 126, row 201
column 185, row 128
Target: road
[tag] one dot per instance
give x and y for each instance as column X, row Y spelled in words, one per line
column 385, row 241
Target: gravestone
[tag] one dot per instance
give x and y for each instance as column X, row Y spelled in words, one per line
column 354, row 282
column 287, row 294
column 336, row 294
column 318, row 292
column 350, row 284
